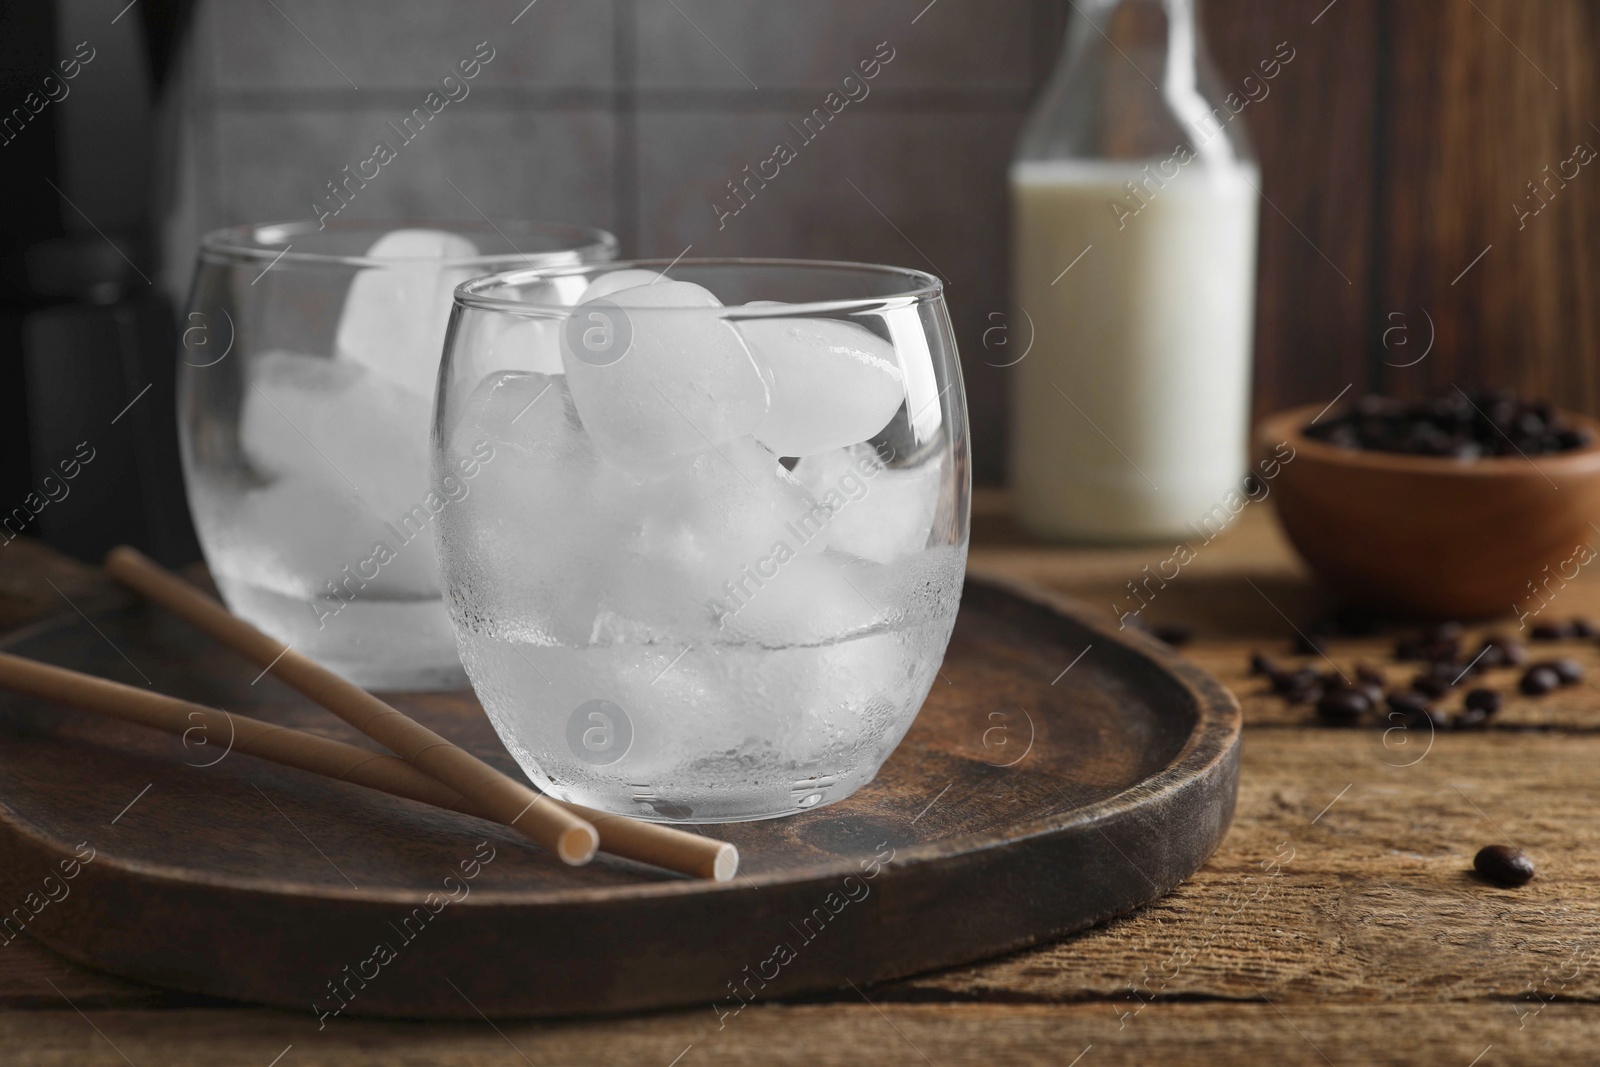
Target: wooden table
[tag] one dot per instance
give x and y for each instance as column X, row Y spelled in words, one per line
column 1338, row 924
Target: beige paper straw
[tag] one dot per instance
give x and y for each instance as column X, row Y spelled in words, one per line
column 492, row 794
column 644, row 842
column 507, row 801
column 280, row 744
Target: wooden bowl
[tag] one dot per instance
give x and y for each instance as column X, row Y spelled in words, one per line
column 1435, row 537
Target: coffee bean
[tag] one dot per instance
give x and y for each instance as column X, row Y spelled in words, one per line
column 1550, row 631
column 1471, row 719
column 1306, row 694
column 1301, row 678
column 1343, row 707
column 1176, row 634
column 1260, row 664
column 1373, row 693
column 1489, row 656
column 1539, row 680
column 1451, row 424
column 1503, row 865
column 1430, row 684
column 1568, row 670
column 1409, row 709
column 1485, row 700
column 1581, row 627
column 1502, row 652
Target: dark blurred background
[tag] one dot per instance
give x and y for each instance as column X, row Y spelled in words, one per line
column 1404, row 149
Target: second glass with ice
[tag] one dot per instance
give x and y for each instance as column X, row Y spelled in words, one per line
column 712, row 524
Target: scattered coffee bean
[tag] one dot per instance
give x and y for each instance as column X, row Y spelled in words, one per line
column 1582, row 627
column 1568, row 670
column 1343, row 707
column 1176, row 634
column 1539, row 680
column 1503, row 865
column 1440, row 644
column 1306, row 694
column 1550, row 631
column 1430, row 684
column 1361, row 696
column 1505, row 651
column 1409, row 709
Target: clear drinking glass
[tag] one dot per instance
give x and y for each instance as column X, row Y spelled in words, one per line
column 307, row 369
column 712, row 526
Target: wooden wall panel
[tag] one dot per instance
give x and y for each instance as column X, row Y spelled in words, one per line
column 1314, row 133
column 1485, row 96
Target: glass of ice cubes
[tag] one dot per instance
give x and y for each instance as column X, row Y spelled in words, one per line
column 712, row 524
column 308, row 363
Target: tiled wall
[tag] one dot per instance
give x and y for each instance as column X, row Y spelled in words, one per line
column 632, row 115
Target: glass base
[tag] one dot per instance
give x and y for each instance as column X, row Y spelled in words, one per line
column 376, row 644
column 722, row 806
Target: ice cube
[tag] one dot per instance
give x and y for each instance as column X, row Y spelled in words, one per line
column 877, row 512
column 696, row 531
column 618, row 280
column 307, row 531
column 395, row 317
column 539, row 514
column 807, row 600
column 833, row 383
column 334, row 422
column 683, row 384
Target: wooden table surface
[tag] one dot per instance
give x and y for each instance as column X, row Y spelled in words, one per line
column 1338, row 923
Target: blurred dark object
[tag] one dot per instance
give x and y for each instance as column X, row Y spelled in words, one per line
column 88, row 441
column 1455, row 424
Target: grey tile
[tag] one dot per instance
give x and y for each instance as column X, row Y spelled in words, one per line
column 380, row 44
column 955, row 44
column 548, row 165
column 929, row 192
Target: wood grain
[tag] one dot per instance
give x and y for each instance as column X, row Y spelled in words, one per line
column 1484, row 97
column 1372, row 940
column 1314, row 304
column 1063, row 797
column 840, row 1035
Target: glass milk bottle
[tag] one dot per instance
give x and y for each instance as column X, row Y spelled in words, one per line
column 1134, row 205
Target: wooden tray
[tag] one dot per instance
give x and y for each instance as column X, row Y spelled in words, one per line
column 1028, row 801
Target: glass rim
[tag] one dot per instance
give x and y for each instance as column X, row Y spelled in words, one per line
column 474, row 293
column 273, row 241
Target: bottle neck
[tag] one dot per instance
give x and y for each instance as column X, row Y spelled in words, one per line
column 1149, row 50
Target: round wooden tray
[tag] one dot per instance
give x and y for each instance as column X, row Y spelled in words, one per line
column 1060, row 773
